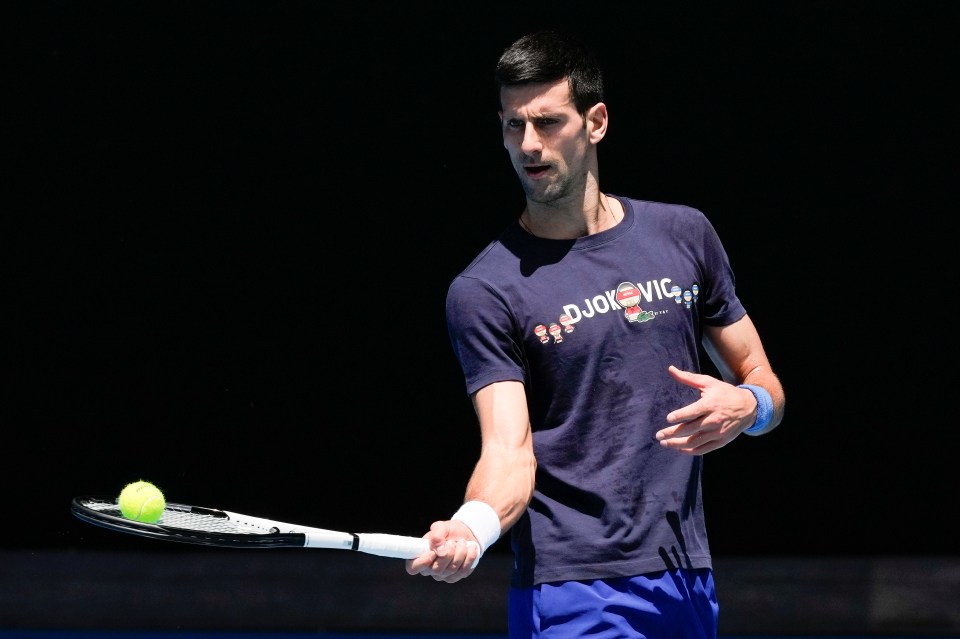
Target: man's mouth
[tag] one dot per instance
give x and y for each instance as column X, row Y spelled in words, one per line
column 536, row 171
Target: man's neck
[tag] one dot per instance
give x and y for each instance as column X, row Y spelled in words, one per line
column 594, row 214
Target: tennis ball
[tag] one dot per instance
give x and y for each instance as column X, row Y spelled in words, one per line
column 142, row 501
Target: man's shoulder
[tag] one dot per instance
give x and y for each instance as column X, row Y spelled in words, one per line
column 656, row 207
column 667, row 217
column 498, row 257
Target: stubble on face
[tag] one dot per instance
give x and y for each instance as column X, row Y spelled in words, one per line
column 568, row 172
column 566, row 163
column 547, row 139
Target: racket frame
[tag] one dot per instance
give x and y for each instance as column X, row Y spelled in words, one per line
column 253, row 532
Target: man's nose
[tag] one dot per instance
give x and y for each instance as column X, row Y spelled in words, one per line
column 531, row 142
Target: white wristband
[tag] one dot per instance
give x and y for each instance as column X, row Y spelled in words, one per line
column 482, row 520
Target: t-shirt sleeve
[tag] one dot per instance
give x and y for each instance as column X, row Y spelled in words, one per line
column 483, row 334
column 722, row 307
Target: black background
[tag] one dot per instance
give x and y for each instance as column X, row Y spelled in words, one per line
column 231, row 226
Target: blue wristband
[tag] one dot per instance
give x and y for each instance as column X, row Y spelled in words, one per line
column 764, row 408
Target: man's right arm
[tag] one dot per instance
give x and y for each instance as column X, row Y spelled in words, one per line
column 505, row 474
column 502, row 482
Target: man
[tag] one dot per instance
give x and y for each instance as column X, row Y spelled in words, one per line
column 578, row 331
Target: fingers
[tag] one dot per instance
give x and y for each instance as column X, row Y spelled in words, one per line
column 695, row 409
column 452, row 556
column 710, row 422
column 435, row 537
column 696, row 380
column 455, row 560
column 694, row 444
column 696, row 437
column 691, row 415
column 421, row 565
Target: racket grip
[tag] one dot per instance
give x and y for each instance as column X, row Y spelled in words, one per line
column 397, row 546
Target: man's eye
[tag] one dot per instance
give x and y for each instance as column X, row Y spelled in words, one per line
column 514, row 124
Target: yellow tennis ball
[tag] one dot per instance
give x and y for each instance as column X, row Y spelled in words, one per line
column 142, row 501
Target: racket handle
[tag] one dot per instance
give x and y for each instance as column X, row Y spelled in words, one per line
column 397, row 546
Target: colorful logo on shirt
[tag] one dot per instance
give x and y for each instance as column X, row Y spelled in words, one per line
column 687, row 297
column 628, row 297
column 554, row 330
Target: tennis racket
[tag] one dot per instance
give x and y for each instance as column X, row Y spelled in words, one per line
column 214, row 527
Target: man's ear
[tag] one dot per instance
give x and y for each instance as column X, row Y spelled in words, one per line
column 597, row 122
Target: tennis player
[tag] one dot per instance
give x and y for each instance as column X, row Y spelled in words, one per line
column 578, row 330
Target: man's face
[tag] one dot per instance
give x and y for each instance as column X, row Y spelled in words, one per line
column 546, row 138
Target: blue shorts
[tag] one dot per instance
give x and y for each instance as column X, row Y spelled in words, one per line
column 679, row 604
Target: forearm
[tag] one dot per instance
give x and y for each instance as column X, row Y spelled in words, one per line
column 504, row 475
column 739, row 355
column 497, row 493
column 766, row 379
column 503, row 479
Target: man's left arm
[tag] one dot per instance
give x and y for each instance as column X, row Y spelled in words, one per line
column 749, row 399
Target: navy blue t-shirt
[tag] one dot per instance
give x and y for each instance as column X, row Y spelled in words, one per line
column 590, row 326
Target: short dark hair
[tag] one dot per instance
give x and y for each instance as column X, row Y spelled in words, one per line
column 549, row 56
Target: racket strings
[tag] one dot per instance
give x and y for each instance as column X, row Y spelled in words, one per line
column 185, row 518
